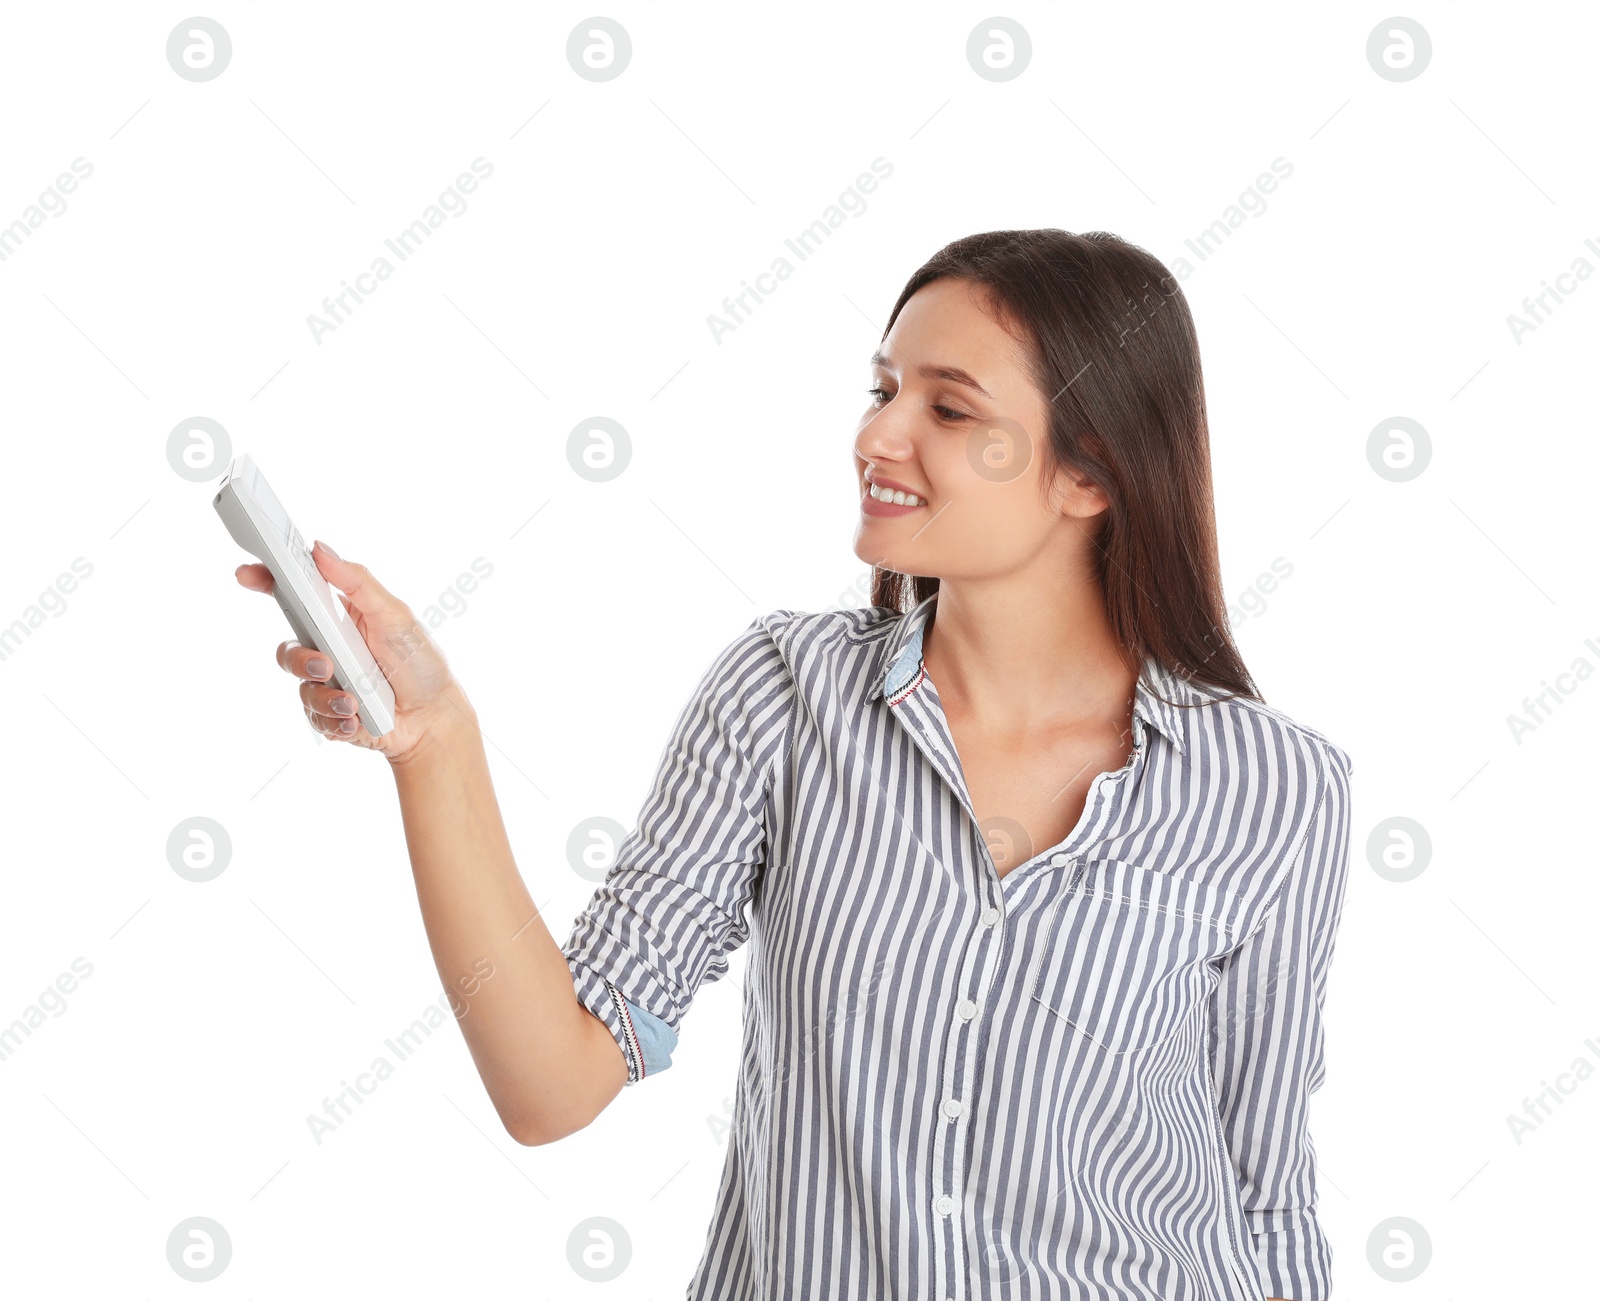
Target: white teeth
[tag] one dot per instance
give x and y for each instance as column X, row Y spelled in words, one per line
column 898, row 498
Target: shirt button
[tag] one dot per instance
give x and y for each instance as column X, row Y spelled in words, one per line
column 1060, row 860
column 991, row 916
column 952, row 1107
column 966, row 1009
column 945, row 1205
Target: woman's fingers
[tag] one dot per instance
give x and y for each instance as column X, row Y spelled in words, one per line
column 328, row 701
column 258, row 578
column 303, row 661
column 330, row 710
column 360, row 588
column 335, row 729
column 405, row 656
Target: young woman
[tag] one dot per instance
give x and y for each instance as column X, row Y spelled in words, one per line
column 1040, row 895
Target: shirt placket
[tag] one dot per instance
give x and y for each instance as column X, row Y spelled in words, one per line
column 923, row 718
column 982, row 903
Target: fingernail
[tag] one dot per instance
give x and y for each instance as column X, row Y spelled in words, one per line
column 348, row 726
column 343, row 705
column 319, row 667
column 328, row 549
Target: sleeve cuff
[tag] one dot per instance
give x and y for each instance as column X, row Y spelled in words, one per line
column 646, row 1041
column 1292, row 1255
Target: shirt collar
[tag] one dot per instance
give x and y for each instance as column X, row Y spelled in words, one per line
column 900, row 664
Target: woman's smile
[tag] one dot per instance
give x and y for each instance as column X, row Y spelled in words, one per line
column 886, row 497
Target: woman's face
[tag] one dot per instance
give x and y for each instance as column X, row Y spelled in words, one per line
column 958, row 422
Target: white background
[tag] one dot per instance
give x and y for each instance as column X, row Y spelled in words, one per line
column 432, row 425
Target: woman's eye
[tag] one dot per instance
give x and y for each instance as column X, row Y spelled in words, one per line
column 880, row 396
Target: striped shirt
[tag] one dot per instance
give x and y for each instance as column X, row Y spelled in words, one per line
column 1088, row 1078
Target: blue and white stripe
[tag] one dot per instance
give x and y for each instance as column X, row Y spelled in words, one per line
column 1088, row 1078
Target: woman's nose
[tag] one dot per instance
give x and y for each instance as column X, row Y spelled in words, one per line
column 882, row 438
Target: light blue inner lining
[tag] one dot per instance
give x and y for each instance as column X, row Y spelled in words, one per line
column 657, row 1039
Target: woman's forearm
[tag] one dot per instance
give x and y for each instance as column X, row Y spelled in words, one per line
column 549, row 1065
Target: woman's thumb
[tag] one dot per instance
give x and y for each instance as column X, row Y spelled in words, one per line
column 361, row 589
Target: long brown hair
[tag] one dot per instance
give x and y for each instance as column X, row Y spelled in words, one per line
column 1108, row 333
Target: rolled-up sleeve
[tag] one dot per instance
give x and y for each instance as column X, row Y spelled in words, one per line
column 1267, row 1049
column 673, row 904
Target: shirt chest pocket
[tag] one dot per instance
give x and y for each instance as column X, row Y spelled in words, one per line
column 1125, row 951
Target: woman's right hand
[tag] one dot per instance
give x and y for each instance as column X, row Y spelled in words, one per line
column 424, row 689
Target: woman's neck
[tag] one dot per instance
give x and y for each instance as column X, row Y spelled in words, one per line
column 998, row 653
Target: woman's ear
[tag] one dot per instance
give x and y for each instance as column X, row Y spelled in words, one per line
column 1074, row 495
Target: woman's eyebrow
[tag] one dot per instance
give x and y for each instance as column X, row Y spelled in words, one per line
column 952, row 373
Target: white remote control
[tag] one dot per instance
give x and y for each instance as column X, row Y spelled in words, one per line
column 262, row 527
